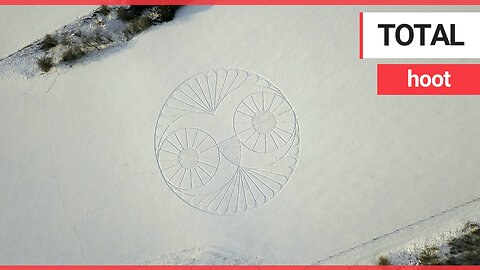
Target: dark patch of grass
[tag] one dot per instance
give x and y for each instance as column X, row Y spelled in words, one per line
column 128, row 14
column 465, row 249
column 430, row 256
column 139, row 9
column 137, row 26
column 144, row 22
column 125, row 14
column 72, row 54
column 48, row 42
column 103, row 10
column 78, row 44
column 165, row 13
column 462, row 250
column 45, row 63
column 383, row 260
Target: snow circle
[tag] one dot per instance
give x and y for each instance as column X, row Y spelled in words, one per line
column 271, row 117
column 226, row 141
column 190, row 158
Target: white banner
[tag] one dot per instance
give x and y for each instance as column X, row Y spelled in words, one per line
column 420, row 35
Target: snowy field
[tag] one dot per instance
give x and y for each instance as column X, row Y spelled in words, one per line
column 80, row 182
column 23, row 24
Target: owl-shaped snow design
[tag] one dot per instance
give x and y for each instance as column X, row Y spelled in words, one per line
column 226, row 141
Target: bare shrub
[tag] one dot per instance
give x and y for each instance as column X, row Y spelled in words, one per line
column 48, row 42
column 45, row 63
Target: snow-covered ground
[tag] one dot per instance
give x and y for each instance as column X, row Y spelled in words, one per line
column 203, row 256
column 79, row 177
column 21, row 25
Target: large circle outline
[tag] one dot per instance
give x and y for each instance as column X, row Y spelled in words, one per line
column 271, row 86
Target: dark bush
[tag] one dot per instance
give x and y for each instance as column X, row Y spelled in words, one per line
column 48, row 42
column 137, row 26
column 75, row 44
column 383, row 260
column 429, row 256
column 165, row 13
column 125, row 14
column 465, row 249
column 45, row 63
column 104, row 10
column 137, row 10
column 143, row 22
column 130, row 13
column 72, row 54
column 470, row 258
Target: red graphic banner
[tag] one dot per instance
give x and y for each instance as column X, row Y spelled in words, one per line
column 239, row 267
column 428, row 79
column 239, row 2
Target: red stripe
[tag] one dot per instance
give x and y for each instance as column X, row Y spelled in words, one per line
column 361, row 35
column 393, row 79
column 240, row 2
column 265, row 267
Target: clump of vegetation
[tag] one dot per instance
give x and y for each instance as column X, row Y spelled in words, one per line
column 165, row 13
column 465, row 250
column 104, row 10
column 71, row 44
column 160, row 13
column 125, row 14
column 128, row 14
column 139, row 9
column 138, row 22
column 430, row 255
column 462, row 250
column 137, row 26
column 72, row 54
column 48, row 42
column 144, row 22
column 45, row 63
column 383, row 260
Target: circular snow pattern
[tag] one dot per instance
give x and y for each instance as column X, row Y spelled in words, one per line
column 226, row 141
column 189, row 158
column 273, row 125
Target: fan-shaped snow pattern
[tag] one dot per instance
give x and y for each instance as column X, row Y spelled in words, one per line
column 226, row 141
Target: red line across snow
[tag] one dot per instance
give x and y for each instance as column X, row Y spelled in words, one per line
column 240, row 2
